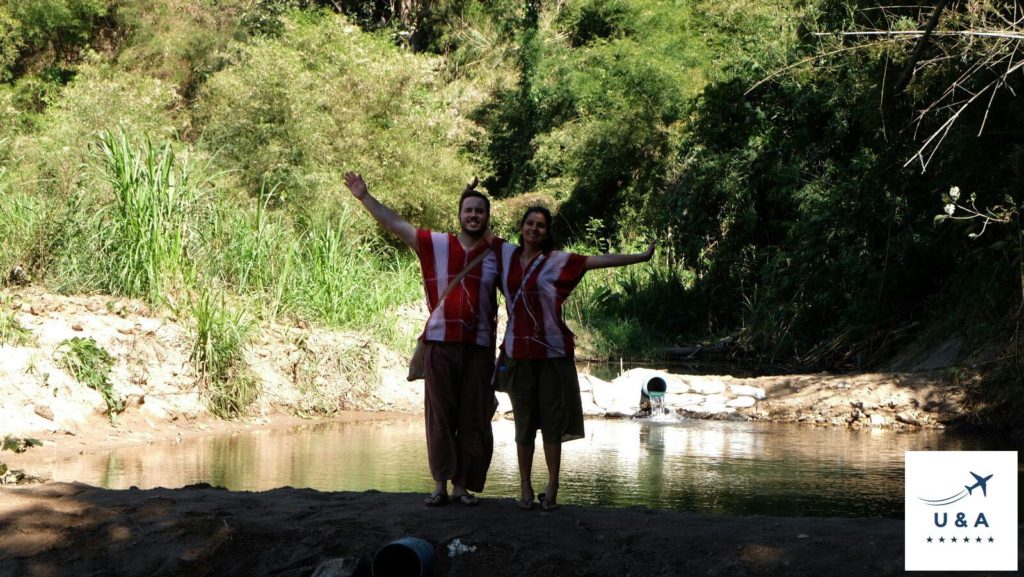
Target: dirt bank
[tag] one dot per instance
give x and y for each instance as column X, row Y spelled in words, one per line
column 57, row 529
column 304, row 371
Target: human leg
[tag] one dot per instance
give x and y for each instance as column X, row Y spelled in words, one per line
column 522, row 391
column 524, row 454
column 439, row 398
column 553, row 460
column 560, row 418
column 474, row 439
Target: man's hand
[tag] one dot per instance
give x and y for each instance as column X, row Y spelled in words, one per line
column 356, row 185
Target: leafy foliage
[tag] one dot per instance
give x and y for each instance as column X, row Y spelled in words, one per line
column 10, row 476
column 90, row 364
column 11, row 331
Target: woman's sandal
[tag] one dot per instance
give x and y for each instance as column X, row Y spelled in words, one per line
column 525, row 504
column 436, row 500
column 545, row 504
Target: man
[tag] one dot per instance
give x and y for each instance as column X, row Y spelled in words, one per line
column 459, row 339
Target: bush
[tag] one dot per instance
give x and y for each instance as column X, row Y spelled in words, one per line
column 60, row 25
column 270, row 118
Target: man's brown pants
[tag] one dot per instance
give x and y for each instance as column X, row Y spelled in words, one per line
column 458, row 405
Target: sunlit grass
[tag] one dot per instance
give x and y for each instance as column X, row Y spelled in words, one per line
column 149, row 226
column 220, row 335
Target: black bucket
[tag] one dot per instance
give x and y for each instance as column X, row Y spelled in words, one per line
column 406, row 557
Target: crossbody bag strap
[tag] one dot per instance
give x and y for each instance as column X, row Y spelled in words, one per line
column 462, row 274
column 526, row 276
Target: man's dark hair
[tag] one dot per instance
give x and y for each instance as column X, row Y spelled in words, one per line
column 549, row 243
column 470, row 192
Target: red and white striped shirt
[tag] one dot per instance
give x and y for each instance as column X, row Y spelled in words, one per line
column 467, row 314
column 535, row 327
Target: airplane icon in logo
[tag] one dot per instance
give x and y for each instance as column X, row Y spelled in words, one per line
column 981, row 482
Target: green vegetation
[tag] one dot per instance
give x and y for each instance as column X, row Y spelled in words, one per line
column 10, row 476
column 220, row 337
column 90, row 364
column 787, row 166
column 11, row 331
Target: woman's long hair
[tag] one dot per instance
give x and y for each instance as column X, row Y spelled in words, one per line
column 549, row 242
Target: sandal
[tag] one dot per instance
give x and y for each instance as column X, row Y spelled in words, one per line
column 525, row 504
column 545, row 504
column 436, row 500
column 467, row 499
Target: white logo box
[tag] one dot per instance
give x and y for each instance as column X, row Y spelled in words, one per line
column 961, row 511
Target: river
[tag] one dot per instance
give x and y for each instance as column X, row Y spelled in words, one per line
column 715, row 467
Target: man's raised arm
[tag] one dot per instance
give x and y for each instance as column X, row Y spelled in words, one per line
column 387, row 218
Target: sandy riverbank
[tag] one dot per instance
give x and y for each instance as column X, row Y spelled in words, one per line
column 58, row 529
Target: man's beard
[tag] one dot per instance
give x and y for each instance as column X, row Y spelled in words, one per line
column 477, row 233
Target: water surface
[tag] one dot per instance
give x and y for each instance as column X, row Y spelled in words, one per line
column 702, row 466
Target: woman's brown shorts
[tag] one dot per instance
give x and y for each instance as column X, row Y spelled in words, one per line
column 545, row 395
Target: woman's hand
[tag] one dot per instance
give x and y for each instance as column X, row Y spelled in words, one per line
column 650, row 251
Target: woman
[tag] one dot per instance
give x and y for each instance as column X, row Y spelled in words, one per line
column 539, row 371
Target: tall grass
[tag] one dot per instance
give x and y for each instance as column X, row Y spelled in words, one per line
column 148, row 223
column 220, row 335
column 350, row 282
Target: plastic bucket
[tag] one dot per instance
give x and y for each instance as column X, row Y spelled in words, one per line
column 655, row 387
column 406, row 557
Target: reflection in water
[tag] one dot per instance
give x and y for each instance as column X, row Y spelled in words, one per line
column 702, row 466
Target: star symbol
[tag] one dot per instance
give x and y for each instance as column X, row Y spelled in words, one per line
column 991, row 539
column 978, row 540
column 967, row 539
column 942, row 539
column 929, row 539
column 953, row 540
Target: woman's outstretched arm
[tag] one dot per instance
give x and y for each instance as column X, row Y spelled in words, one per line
column 610, row 260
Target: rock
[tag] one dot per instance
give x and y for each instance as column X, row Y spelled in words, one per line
column 44, row 412
column 339, row 567
column 17, row 275
column 77, row 327
column 907, row 419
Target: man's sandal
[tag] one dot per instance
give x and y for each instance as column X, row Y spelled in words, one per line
column 436, row 500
